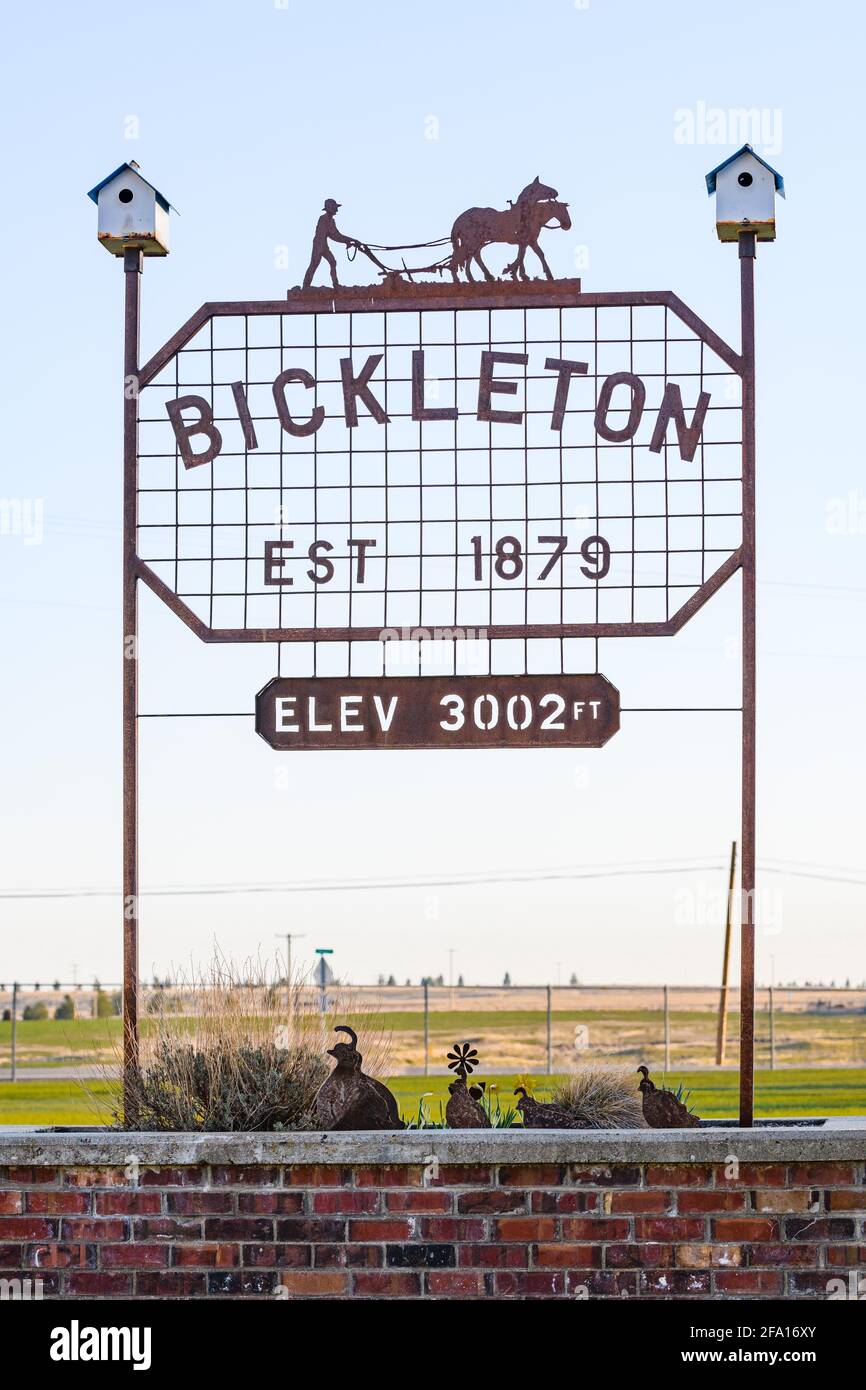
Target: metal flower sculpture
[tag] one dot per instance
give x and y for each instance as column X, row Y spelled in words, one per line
column 463, row 1060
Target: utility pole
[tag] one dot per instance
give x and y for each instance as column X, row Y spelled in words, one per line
column 289, row 937
column 722, row 1033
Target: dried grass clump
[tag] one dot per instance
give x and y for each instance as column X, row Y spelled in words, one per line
column 247, row 1052
column 601, row 1098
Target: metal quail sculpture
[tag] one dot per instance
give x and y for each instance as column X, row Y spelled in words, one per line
column 348, row 1098
column 544, row 1114
column 464, row 1109
column 662, row 1109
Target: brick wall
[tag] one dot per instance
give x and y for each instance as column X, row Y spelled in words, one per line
column 555, row 1229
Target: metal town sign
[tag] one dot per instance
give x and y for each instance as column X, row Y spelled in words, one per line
column 447, row 462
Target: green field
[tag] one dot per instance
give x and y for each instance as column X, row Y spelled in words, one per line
column 713, row 1095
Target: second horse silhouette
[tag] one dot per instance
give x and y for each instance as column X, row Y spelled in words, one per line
column 349, row 1098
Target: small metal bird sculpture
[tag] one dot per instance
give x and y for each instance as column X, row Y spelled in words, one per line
column 543, row 1114
column 662, row 1109
column 464, row 1109
column 348, row 1098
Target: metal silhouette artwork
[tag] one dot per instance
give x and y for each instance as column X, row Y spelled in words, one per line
column 464, row 1109
column 662, row 1109
column 538, row 1114
column 520, row 224
column 348, row 1098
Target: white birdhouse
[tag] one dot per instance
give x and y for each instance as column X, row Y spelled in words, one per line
column 131, row 213
column 745, row 187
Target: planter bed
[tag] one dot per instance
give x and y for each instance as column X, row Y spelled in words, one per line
column 714, row 1213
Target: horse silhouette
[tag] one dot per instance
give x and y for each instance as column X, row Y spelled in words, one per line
column 517, row 225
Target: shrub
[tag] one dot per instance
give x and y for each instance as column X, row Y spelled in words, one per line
column 601, row 1098
column 247, row 1054
column 66, row 1009
column 35, row 1013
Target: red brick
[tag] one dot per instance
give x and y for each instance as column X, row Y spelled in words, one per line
column 753, row 1175
column 29, row 1177
column 549, row 1283
column 846, row 1201
column 565, row 1201
column 674, row 1283
column 740, row 1229
column 300, row 1228
column 12, row 1203
column 696, row 1203
column 231, row 1228
column 709, row 1256
column 491, row 1200
column 278, row 1203
column 564, row 1256
column 773, row 1255
column 76, row 1255
column 27, row 1228
column 639, row 1202
column 528, row 1228
column 280, row 1256
column 493, row 1256
column 57, row 1203
column 172, row 1283
column 206, row 1256
column 678, row 1175
column 95, row 1177
column 832, row 1228
column 452, row 1228
column 463, row 1175
column 181, row 1228
column 822, row 1175
column 810, row 1282
column 387, row 1283
column 190, row 1175
column 850, row 1256
column 203, row 1203
column 532, row 1175
column 782, row 1199
column 647, row 1256
column 668, row 1228
column 431, row 1200
column 85, row 1228
column 385, row 1229
column 365, row 1200
column 10, row 1255
column 600, row 1283
column 244, row 1175
column 455, row 1283
column 594, row 1228
column 130, row 1203
column 310, row 1282
column 744, row 1281
column 317, row 1175
column 604, row 1175
column 347, row 1256
column 402, row 1176
column 133, row 1256
column 98, row 1284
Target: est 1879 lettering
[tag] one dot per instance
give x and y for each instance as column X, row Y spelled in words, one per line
column 579, row 711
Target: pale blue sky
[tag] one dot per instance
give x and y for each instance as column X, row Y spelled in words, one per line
column 246, row 116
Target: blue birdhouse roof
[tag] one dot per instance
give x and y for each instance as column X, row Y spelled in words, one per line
column 160, row 198
column 746, row 149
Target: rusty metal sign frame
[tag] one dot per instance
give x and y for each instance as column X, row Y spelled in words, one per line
column 427, row 296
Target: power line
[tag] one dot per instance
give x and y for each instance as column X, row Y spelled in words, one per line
column 469, row 879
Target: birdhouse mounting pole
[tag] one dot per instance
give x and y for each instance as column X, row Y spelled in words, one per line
column 132, row 265
column 747, row 872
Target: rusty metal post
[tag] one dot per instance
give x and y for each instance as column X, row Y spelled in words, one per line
column 132, row 265
column 722, row 1033
column 747, row 871
column 14, row 1074
column 549, row 1031
column 426, row 1029
column 667, row 1021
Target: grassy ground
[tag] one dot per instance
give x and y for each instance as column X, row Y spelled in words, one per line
column 713, row 1095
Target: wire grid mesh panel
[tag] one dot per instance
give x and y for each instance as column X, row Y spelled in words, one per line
column 507, row 472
